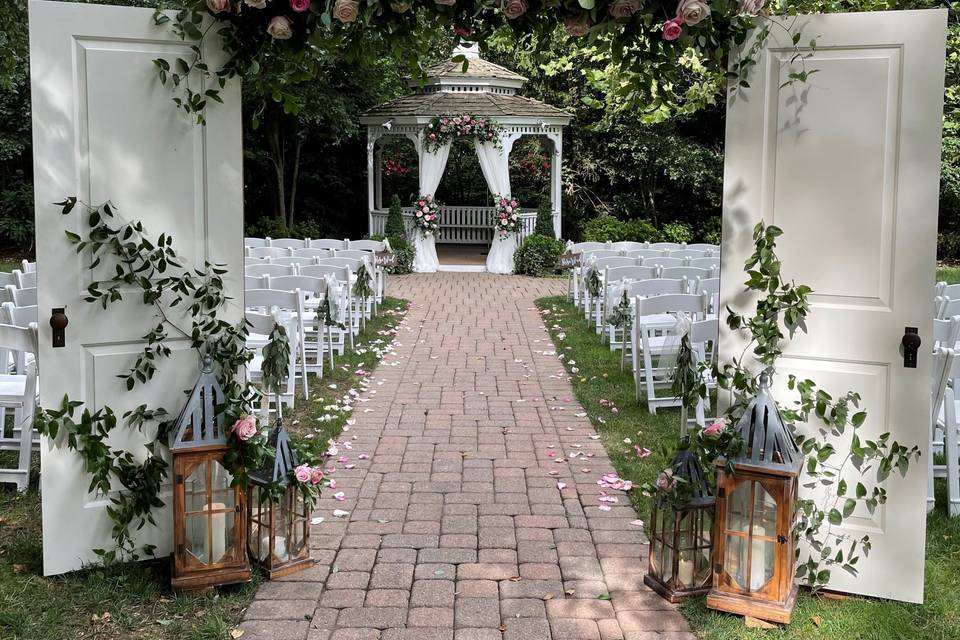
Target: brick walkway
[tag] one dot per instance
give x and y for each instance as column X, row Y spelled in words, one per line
column 458, row 528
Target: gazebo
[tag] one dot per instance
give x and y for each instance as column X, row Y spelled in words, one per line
column 485, row 90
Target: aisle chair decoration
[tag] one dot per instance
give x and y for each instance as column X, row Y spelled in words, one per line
column 363, row 291
column 330, row 310
column 208, row 513
column 754, row 544
column 506, row 234
column 621, row 318
column 681, row 529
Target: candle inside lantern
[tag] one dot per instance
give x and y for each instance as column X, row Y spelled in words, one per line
column 218, row 529
column 685, row 570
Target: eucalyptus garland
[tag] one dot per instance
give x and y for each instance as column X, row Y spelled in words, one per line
column 621, row 317
column 363, row 289
column 593, row 282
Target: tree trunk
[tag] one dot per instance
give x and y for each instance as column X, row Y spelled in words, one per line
column 276, row 151
column 295, row 178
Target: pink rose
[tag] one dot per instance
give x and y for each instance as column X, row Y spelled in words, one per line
column 316, row 475
column 692, row 11
column 245, row 428
column 513, row 9
column 715, row 428
column 429, row 198
column 751, row 7
column 218, row 6
column 672, row 29
column 577, row 26
column 303, row 473
column 346, row 10
column 665, row 481
column 299, row 5
column 624, row 8
column 280, row 28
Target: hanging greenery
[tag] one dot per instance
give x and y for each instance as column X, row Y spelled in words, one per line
column 442, row 130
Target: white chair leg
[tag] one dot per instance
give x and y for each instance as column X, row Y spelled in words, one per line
column 952, row 452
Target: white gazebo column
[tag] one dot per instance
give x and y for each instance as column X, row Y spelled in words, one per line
column 556, row 175
column 378, row 185
column 371, row 178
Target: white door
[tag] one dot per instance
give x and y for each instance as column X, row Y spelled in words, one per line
column 104, row 128
column 848, row 165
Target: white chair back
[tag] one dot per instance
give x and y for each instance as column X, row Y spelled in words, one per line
column 27, row 266
column 247, row 260
column 690, row 273
column 667, row 246
column 328, row 244
column 615, row 261
column 19, row 316
column 367, row 245
column 628, row 245
column 633, row 272
column 705, row 263
column 256, row 242
column 950, row 291
column 313, row 253
column 666, row 262
column 599, row 253
column 658, row 287
column 711, row 249
column 583, row 247
column 350, row 263
column 271, row 269
column 687, row 254
column 7, row 278
column 946, row 332
column 255, row 282
column 268, row 252
column 341, row 273
column 291, row 261
column 353, row 253
column 289, row 243
column 25, row 280
column 949, row 308
column 22, row 297
column 308, row 285
column 645, row 254
column 692, row 304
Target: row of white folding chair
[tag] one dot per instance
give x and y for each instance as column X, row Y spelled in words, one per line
column 653, row 335
column 615, row 288
column 294, row 267
column 944, row 428
column 290, row 304
column 21, row 297
column 944, row 307
column 603, row 261
column 286, row 252
column 626, row 244
column 261, row 323
column 307, row 243
column 18, row 392
column 949, row 291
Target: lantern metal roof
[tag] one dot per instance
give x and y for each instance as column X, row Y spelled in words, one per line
column 281, row 463
column 198, row 424
column 767, row 439
column 482, row 88
column 686, row 466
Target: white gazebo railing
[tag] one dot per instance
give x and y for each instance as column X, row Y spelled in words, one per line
column 458, row 224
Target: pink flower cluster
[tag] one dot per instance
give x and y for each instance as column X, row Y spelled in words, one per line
column 245, row 428
column 506, row 216
column 689, row 13
column 305, row 473
column 716, row 428
column 426, row 215
column 442, row 129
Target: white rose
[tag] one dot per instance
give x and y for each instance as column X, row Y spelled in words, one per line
column 280, row 28
column 692, row 11
column 256, row 4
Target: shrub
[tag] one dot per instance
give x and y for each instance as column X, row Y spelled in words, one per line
column 641, row 230
column 710, row 232
column 948, row 246
column 604, row 228
column 676, row 232
column 537, row 256
column 395, row 226
column 545, row 220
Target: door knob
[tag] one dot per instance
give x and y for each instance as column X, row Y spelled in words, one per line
column 909, row 346
column 59, row 322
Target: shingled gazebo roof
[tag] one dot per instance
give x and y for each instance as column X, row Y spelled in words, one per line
column 482, row 89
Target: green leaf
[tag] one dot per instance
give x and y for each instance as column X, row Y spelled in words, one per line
column 834, row 517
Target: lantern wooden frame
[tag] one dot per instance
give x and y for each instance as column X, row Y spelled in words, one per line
column 272, row 525
column 680, row 557
column 759, row 495
column 208, row 514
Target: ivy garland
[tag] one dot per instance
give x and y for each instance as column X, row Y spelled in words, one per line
column 154, row 268
column 363, row 289
column 442, row 130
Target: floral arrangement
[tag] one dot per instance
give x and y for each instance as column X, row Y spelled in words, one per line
column 426, row 216
column 395, row 168
column 506, row 216
column 443, row 129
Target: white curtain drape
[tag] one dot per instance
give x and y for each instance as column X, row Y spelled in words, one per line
column 494, row 163
column 500, row 257
column 432, row 164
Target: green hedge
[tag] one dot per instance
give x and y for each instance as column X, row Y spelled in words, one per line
column 537, row 256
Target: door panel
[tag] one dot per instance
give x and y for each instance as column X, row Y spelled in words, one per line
column 104, row 128
column 847, row 164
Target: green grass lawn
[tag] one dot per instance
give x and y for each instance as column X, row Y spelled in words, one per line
column 134, row 600
column 948, row 273
column 816, row 617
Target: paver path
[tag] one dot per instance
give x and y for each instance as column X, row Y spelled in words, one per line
column 457, row 529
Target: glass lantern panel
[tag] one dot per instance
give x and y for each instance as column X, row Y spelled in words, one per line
column 738, row 508
column 220, row 479
column 763, row 562
column 196, row 518
column 686, row 534
column 281, row 550
column 735, row 560
column 297, row 538
column 196, row 542
column 195, row 489
column 253, row 539
column 703, row 570
column 706, row 531
column 667, row 564
column 764, row 512
column 666, row 526
column 222, row 508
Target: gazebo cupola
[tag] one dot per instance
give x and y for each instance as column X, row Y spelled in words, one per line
column 482, row 89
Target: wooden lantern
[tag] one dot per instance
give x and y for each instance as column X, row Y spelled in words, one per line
column 680, row 535
column 279, row 534
column 208, row 514
column 754, row 546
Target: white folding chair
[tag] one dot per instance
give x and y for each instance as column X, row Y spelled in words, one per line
column 613, row 280
column 22, row 297
column 255, row 282
column 946, row 332
column 268, row 252
column 261, row 324
column 290, row 303
column 581, row 247
column 687, row 254
column 247, row 261
column 313, row 290
column 19, row 316
column 350, row 263
column 347, row 317
column 704, row 337
column 645, row 254
column 654, row 337
column 25, row 280
column 666, row 263
column 667, row 246
column 690, row 273
column 28, row 267
column 628, row 245
column 705, row 263
column 942, row 428
column 367, row 245
column 649, row 288
column 18, row 392
column 256, row 242
column 710, row 249
column 949, row 308
column 312, row 253
column 710, row 287
column 289, row 243
column 270, row 269
column 378, row 274
column 327, row 244
column 292, row 261
column 950, row 291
